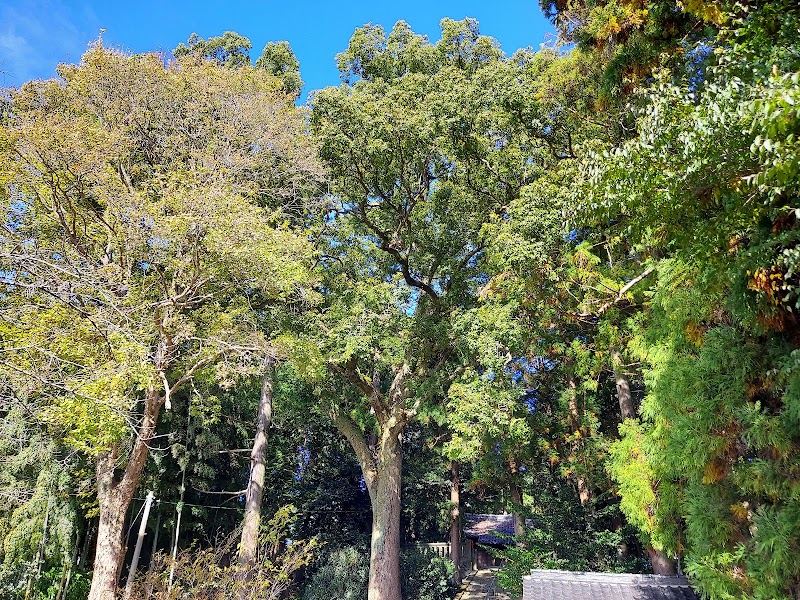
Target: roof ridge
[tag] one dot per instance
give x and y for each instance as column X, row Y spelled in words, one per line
column 637, row 579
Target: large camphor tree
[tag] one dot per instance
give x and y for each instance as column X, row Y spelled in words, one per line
column 145, row 208
column 416, row 146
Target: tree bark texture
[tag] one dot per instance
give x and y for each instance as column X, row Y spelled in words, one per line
column 248, row 547
column 382, row 466
column 662, row 564
column 114, row 496
column 516, row 509
column 455, row 522
column 384, row 560
column 626, row 406
column 584, row 493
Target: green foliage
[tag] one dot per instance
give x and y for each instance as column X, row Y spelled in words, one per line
column 229, row 49
column 631, row 37
column 278, row 59
column 708, row 469
column 344, row 573
column 426, row 576
column 565, row 535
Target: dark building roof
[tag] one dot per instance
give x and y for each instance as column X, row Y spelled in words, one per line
column 566, row 585
column 494, row 530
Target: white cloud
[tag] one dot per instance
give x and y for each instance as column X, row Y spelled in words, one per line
column 36, row 35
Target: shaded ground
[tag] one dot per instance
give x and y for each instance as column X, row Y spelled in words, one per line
column 482, row 585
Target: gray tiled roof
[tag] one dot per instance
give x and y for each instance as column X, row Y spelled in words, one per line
column 567, row 585
column 496, row 530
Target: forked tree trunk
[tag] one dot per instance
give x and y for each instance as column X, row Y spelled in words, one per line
column 382, row 468
column 114, row 497
column 455, row 524
column 248, row 547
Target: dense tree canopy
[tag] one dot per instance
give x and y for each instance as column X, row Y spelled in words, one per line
column 561, row 284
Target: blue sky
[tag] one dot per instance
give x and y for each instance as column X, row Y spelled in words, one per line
column 36, row 35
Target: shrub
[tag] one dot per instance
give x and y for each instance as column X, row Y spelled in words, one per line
column 207, row 574
column 426, row 576
column 344, row 574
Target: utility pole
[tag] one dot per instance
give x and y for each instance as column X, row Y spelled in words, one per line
column 139, row 541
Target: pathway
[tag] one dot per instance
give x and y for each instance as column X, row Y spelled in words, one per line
column 482, row 585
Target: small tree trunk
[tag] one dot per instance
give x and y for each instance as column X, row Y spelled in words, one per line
column 154, row 547
column 455, row 524
column 516, row 499
column 179, row 511
column 662, row 564
column 384, row 560
column 87, row 544
column 626, row 407
column 66, row 574
column 42, row 546
column 584, row 492
column 248, row 547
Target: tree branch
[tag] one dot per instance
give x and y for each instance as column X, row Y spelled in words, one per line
column 621, row 295
column 348, row 428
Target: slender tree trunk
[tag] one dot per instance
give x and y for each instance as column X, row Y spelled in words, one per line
column 384, row 560
column 66, row 575
column 154, row 547
column 83, row 557
column 248, row 547
column 42, row 546
column 455, row 523
column 662, row 564
column 179, row 511
column 516, row 499
column 584, row 493
column 114, row 497
column 626, row 406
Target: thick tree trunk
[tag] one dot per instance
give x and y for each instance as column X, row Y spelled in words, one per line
column 662, row 564
column 248, row 548
column 626, row 406
column 114, row 497
column 110, row 550
column 455, row 523
column 382, row 467
column 516, row 499
column 384, row 560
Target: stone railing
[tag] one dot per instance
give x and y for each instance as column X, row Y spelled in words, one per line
column 443, row 549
